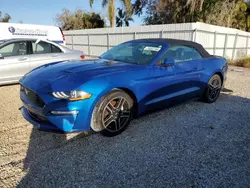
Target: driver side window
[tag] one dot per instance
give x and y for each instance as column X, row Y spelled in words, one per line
column 14, row 49
column 181, row 54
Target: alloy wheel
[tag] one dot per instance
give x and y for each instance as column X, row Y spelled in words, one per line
column 116, row 114
column 214, row 87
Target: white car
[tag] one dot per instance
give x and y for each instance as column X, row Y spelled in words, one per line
column 19, row 56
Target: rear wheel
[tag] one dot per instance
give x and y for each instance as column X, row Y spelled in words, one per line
column 113, row 113
column 213, row 89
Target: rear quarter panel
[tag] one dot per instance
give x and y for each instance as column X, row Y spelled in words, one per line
column 213, row 65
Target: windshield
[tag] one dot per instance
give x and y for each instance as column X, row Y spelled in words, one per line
column 141, row 53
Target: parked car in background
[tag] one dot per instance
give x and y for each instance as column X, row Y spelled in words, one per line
column 15, row 30
column 19, row 56
column 130, row 79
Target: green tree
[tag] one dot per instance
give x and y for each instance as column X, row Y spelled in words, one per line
column 161, row 12
column 169, row 11
column 138, row 6
column 239, row 15
column 111, row 9
column 178, row 10
column 228, row 13
column 122, row 18
column 247, row 16
column 5, row 18
column 79, row 20
column 193, row 8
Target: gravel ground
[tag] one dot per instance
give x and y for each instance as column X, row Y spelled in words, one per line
column 189, row 145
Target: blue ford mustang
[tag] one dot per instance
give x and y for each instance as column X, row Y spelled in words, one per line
column 130, row 79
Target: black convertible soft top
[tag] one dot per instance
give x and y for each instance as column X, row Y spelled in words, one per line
column 174, row 42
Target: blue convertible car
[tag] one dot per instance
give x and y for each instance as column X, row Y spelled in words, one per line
column 132, row 78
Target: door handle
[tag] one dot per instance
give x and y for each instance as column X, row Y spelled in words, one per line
column 195, row 68
column 54, row 55
column 22, row 59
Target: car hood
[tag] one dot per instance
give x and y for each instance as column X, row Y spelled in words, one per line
column 42, row 78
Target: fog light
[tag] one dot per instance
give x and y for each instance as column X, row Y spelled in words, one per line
column 73, row 112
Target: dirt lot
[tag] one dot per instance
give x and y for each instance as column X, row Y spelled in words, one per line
column 190, row 145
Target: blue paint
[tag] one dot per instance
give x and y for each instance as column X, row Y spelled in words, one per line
column 172, row 95
column 154, row 86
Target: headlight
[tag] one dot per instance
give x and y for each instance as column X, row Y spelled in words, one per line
column 71, row 95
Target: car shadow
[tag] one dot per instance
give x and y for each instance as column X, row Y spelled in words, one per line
column 189, row 145
column 227, row 90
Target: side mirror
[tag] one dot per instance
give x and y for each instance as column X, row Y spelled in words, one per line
column 168, row 62
column 1, row 57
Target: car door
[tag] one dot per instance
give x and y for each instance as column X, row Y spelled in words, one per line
column 43, row 53
column 160, row 80
column 14, row 62
column 178, row 81
column 187, row 66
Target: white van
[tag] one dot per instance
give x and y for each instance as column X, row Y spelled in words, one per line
column 14, row 30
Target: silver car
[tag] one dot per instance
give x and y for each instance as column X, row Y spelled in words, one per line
column 19, row 56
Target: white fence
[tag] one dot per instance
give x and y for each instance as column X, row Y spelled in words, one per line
column 222, row 41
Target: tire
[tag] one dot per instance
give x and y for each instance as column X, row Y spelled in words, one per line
column 213, row 89
column 113, row 113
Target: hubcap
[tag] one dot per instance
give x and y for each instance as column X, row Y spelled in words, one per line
column 116, row 114
column 214, row 87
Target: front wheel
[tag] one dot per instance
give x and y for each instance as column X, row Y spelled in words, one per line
column 113, row 113
column 213, row 89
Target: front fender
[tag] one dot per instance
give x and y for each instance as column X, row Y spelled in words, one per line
column 98, row 89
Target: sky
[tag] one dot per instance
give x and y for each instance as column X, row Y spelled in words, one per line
column 44, row 11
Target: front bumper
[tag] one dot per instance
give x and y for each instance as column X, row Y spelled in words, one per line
column 60, row 123
column 42, row 110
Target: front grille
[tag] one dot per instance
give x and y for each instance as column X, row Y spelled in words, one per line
column 33, row 98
